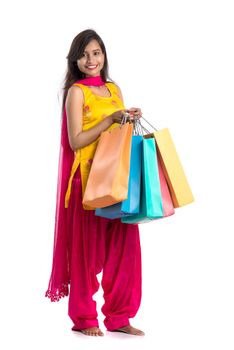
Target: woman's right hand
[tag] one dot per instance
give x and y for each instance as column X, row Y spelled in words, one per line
column 117, row 116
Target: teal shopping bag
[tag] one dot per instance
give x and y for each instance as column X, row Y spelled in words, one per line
column 131, row 205
column 151, row 206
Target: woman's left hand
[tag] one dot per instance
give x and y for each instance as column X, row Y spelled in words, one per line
column 134, row 112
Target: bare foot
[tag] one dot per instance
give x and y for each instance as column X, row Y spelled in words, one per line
column 129, row 330
column 94, row 331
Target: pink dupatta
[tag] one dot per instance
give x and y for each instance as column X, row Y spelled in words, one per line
column 60, row 274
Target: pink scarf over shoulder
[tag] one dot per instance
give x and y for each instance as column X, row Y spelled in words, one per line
column 60, row 274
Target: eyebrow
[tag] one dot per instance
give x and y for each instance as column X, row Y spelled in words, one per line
column 94, row 50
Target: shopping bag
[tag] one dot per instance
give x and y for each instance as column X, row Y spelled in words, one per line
column 131, row 205
column 107, row 183
column 180, row 191
column 151, row 199
column 168, row 208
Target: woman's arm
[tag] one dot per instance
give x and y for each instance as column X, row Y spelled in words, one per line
column 74, row 108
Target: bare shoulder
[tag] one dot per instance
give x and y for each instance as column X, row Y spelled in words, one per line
column 75, row 91
column 75, row 97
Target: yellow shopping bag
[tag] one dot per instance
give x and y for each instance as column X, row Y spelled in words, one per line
column 177, row 182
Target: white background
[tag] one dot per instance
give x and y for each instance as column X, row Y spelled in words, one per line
column 174, row 60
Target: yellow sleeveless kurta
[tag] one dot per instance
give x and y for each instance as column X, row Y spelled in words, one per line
column 95, row 109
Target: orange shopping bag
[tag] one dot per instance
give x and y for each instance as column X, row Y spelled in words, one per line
column 109, row 174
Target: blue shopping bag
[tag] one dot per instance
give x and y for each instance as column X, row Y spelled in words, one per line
column 132, row 204
column 151, row 206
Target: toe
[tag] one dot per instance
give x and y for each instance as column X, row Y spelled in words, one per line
column 131, row 330
column 92, row 332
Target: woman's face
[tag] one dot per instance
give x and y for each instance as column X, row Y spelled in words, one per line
column 92, row 60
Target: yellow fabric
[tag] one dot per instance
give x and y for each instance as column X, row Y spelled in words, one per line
column 95, row 109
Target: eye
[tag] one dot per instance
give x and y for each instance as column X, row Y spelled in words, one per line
column 96, row 53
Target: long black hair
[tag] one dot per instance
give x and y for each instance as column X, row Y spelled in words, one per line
column 76, row 50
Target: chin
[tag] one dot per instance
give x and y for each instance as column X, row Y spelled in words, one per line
column 93, row 74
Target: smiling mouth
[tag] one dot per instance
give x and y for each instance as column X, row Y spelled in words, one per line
column 91, row 67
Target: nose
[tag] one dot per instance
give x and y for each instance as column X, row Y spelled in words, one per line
column 89, row 59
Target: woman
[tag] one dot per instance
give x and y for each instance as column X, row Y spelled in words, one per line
column 85, row 244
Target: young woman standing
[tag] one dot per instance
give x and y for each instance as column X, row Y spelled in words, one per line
column 85, row 244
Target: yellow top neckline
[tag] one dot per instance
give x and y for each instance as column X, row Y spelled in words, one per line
column 110, row 91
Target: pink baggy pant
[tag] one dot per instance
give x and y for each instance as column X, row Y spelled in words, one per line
column 99, row 244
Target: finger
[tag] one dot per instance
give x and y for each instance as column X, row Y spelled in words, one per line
column 136, row 115
column 134, row 109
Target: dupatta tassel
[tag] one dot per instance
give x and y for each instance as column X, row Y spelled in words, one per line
column 57, row 294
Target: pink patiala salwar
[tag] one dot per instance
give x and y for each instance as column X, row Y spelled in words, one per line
column 98, row 244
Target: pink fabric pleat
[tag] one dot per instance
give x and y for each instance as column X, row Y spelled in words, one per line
column 98, row 244
column 59, row 279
